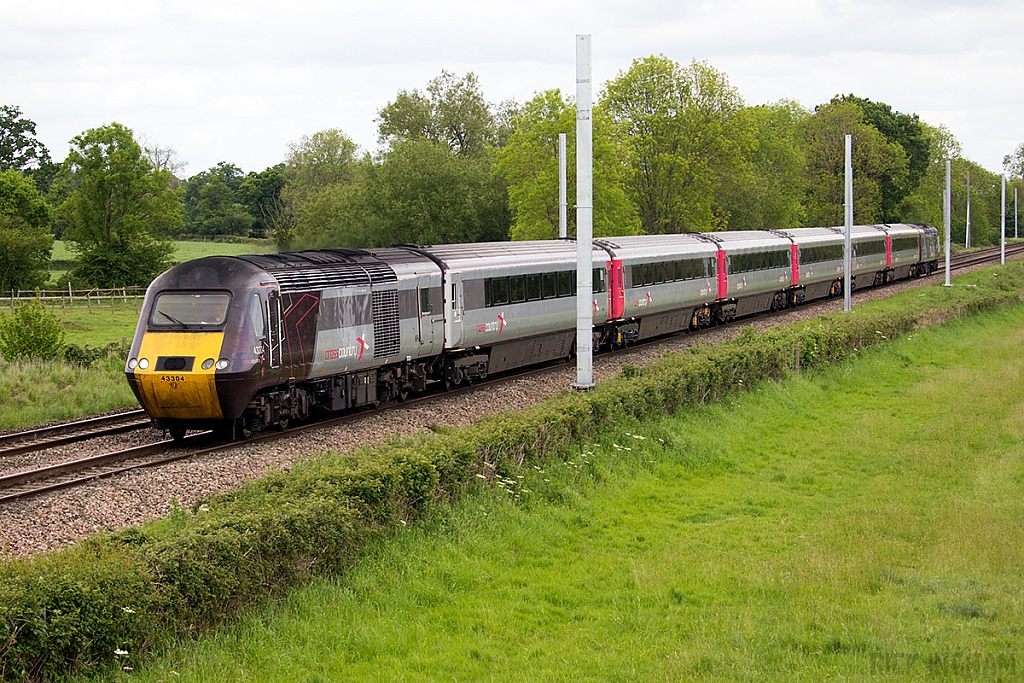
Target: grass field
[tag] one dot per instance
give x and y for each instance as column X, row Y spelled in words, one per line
column 860, row 524
column 185, row 251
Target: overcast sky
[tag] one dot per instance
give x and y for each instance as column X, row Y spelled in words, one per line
column 236, row 81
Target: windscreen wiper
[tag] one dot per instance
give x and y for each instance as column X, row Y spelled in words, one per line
column 172, row 319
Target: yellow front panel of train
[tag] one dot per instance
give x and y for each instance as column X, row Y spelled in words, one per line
column 178, row 394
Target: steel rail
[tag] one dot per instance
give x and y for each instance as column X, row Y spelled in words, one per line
column 70, row 432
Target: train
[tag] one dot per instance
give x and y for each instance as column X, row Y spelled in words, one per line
column 241, row 344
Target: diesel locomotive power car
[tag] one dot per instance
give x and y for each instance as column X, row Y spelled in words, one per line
column 243, row 343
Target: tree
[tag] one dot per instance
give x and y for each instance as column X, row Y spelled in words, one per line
column 261, row 192
column 453, row 112
column 529, row 163
column 316, row 164
column 682, row 126
column 25, row 239
column 213, row 205
column 905, row 130
column 119, row 208
column 423, row 192
column 876, row 161
column 21, row 151
column 1013, row 163
column 766, row 190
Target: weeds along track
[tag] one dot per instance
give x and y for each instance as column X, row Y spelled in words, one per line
column 131, row 488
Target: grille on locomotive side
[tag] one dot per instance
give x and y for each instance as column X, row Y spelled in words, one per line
column 386, row 330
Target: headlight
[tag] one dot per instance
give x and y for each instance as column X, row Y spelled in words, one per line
column 143, row 363
column 222, row 363
column 207, row 364
column 132, row 363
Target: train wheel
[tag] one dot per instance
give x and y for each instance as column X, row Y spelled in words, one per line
column 177, row 431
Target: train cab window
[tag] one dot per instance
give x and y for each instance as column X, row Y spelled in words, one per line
column 566, row 283
column 184, row 310
column 256, row 316
column 550, row 290
column 517, row 286
column 532, row 287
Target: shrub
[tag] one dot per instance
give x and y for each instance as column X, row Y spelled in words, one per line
column 31, row 333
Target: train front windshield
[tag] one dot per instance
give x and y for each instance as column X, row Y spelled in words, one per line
column 178, row 310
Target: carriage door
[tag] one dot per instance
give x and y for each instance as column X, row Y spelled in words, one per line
column 426, row 316
column 274, row 330
column 455, row 304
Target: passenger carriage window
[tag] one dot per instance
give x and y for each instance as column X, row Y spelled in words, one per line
column 566, row 283
column 518, row 288
column 499, row 291
column 425, row 299
column 648, row 274
column 550, row 290
column 599, row 285
column 532, row 287
column 487, row 293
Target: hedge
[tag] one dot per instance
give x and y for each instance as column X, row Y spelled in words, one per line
column 75, row 609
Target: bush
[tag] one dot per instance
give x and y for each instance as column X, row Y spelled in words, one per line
column 31, row 333
column 86, row 357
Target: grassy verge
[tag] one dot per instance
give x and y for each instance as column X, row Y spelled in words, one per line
column 859, row 524
column 77, row 608
column 36, row 392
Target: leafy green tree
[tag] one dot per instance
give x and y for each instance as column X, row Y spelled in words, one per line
column 213, row 205
column 31, row 333
column 424, row 192
column 876, row 161
column 21, row 151
column 317, row 165
column 261, row 192
column 766, row 191
column 683, row 127
column 907, row 131
column 25, row 239
column 452, row 112
column 1013, row 163
column 529, row 163
column 119, row 208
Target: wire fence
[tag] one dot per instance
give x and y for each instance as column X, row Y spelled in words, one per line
column 64, row 299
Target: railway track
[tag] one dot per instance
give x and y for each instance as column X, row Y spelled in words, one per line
column 30, row 483
column 41, row 438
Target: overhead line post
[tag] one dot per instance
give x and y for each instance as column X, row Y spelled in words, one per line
column 847, row 245
column 946, row 196
column 562, row 192
column 584, row 219
column 1002, row 232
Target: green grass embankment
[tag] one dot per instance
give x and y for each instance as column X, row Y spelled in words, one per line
column 864, row 523
column 76, row 608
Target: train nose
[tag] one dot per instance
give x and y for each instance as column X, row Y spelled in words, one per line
column 175, row 375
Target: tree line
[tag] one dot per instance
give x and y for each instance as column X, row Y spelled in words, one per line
column 676, row 149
